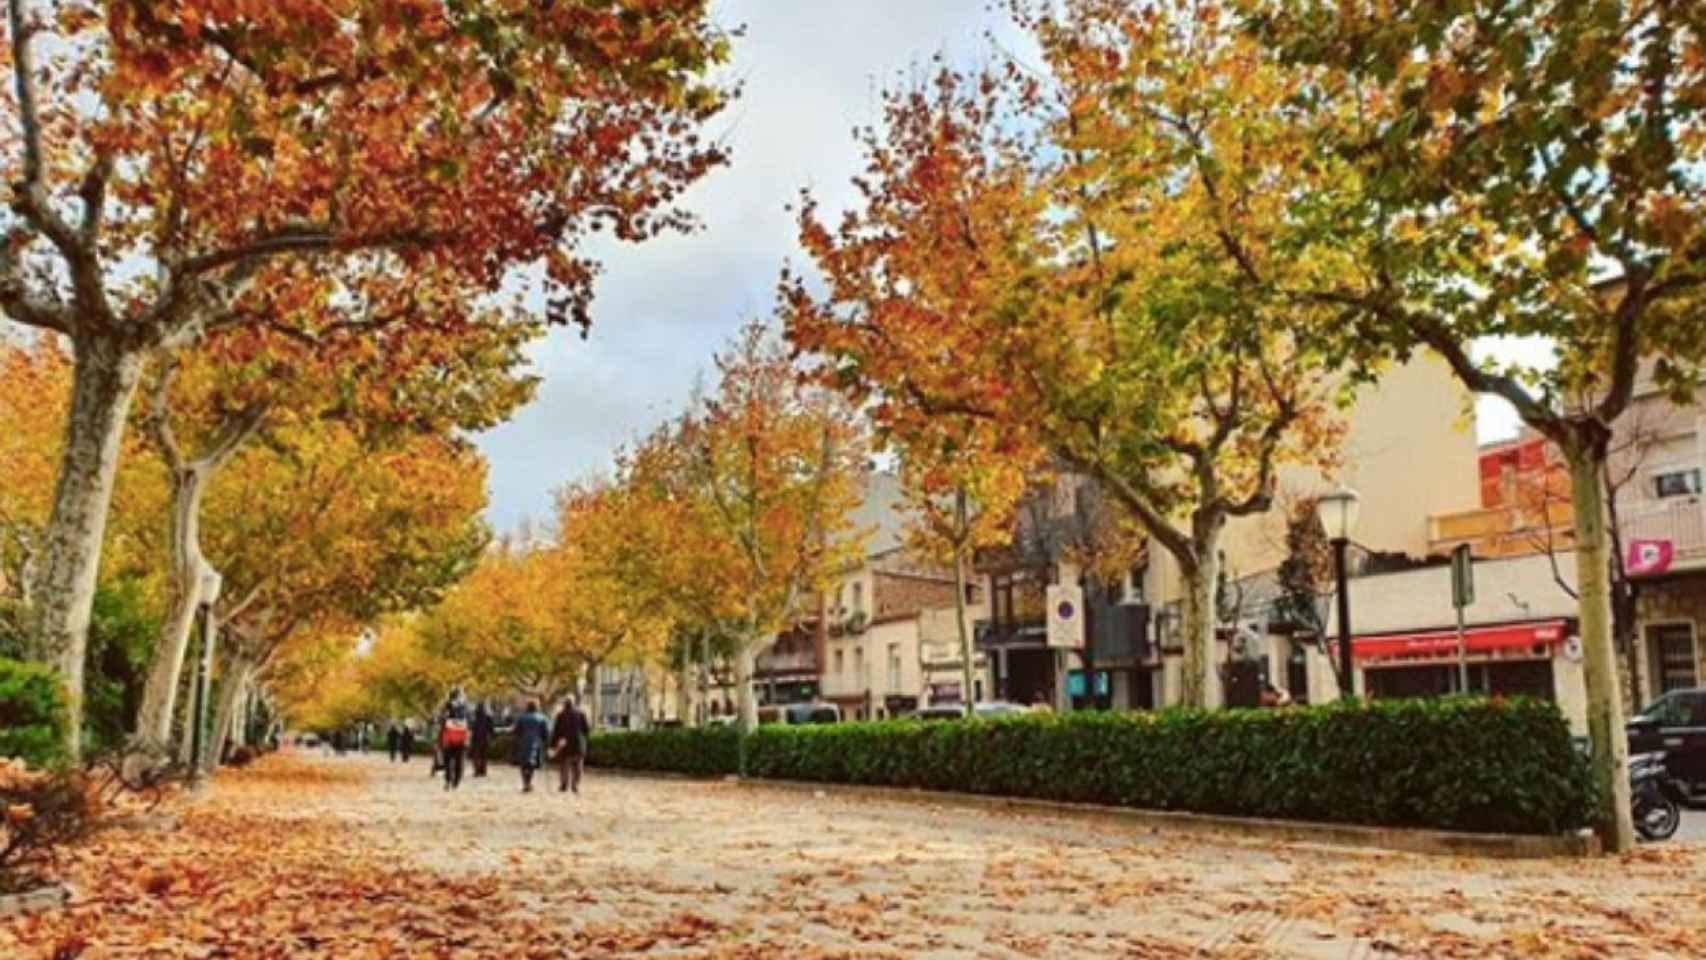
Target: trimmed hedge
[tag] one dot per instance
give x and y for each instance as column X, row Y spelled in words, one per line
column 699, row 751
column 33, row 713
column 1455, row 764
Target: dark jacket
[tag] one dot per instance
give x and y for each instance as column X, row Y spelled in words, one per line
column 570, row 730
column 483, row 727
column 530, row 731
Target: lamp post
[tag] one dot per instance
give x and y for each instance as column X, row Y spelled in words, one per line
column 211, row 581
column 1338, row 513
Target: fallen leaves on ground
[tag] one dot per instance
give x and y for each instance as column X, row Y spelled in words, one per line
column 352, row 859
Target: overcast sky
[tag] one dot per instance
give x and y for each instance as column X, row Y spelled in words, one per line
column 811, row 69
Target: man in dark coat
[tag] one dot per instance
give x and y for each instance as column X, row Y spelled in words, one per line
column 568, row 742
column 393, row 741
column 480, row 740
column 406, row 741
column 531, row 730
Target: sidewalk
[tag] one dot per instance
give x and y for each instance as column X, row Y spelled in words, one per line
column 379, row 861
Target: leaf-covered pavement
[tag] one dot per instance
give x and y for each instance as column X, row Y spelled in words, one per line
column 354, row 858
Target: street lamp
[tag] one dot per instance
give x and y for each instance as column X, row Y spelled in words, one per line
column 211, row 581
column 1338, row 513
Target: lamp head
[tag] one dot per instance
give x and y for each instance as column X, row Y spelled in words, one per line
column 211, row 581
column 1338, row 513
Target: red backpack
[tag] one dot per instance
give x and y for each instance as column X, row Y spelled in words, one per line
column 454, row 734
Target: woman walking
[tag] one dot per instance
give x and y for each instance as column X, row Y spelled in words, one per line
column 453, row 737
column 531, row 729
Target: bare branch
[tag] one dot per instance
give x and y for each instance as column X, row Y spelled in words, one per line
column 307, row 239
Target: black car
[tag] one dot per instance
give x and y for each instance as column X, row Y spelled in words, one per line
column 1675, row 725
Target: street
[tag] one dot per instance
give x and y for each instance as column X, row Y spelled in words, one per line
column 1693, row 829
column 380, row 861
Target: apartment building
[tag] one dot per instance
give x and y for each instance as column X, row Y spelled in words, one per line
column 1657, row 518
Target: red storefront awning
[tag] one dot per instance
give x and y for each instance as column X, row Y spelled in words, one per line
column 1475, row 639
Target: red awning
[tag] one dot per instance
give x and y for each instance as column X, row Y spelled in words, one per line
column 1476, row 639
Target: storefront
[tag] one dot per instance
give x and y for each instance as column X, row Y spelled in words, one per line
column 1534, row 659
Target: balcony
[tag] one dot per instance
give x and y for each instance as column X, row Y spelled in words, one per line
column 786, row 662
column 1682, row 521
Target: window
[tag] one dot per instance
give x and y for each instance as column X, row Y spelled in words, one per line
column 894, row 666
column 1673, row 651
column 859, row 661
column 858, row 597
column 1677, row 483
column 840, row 661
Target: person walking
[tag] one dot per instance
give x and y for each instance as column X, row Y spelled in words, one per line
column 453, row 737
column 531, row 731
column 393, row 741
column 406, row 741
column 568, row 744
column 480, row 743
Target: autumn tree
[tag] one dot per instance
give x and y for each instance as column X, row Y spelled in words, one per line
column 962, row 479
column 606, row 607
column 757, row 481
column 1521, row 170
column 172, row 166
column 456, row 373
column 1086, row 279
column 328, row 534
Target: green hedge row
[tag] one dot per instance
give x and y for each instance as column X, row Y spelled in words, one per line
column 33, row 713
column 701, row 751
column 1456, row 764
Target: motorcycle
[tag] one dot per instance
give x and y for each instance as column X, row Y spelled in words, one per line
column 1656, row 797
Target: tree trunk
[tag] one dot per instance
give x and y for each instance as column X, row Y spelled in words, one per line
column 968, row 689
column 104, row 379
column 746, row 664
column 159, row 695
column 594, row 697
column 1198, row 613
column 1599, row 667
column 683, row 692
column 237, row 675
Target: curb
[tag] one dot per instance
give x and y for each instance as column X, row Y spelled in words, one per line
column 1438, row 843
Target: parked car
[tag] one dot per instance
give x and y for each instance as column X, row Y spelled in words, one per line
column 957, row 711
column 1675, row 725
column 799, row 713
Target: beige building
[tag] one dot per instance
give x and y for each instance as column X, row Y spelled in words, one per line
column 1410, row 452
column 887, row 651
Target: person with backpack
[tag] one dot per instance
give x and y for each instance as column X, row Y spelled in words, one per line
column 531, row 731
column 568, row 742
column 453, row 737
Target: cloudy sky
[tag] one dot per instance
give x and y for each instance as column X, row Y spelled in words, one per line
column 811, row 69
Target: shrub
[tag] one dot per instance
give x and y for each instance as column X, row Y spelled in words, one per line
column 33, row 713
column 1455, row 764
column 699, row 751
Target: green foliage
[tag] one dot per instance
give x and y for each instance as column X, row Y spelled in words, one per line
column 33, row 713
column 121, row 636
column 699, row 751
column 1456, row 764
